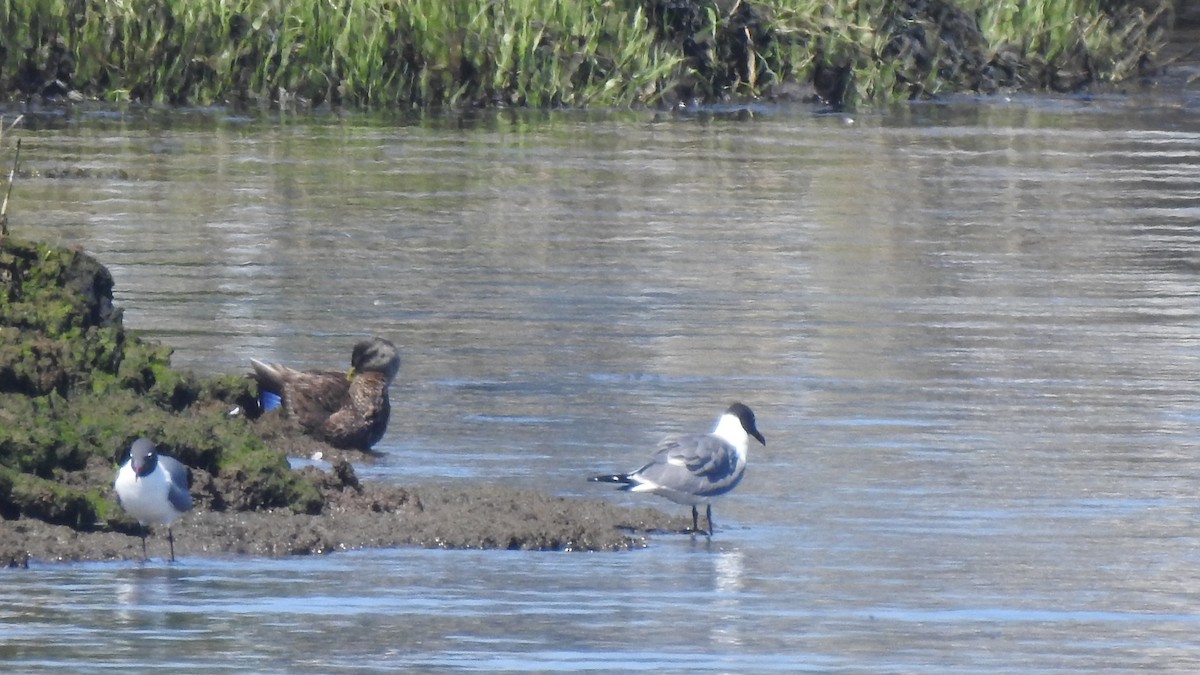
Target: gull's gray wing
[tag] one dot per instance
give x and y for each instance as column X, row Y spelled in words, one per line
column 700, row 464
column 178, row 495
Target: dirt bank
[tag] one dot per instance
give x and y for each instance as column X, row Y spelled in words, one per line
column 359, row 515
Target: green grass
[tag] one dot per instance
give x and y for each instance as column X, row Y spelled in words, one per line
column 361, row 52
column 552, row 53
column 964, row 45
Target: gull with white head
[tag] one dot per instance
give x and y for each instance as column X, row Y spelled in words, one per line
column 153, row 488
column 696, row 468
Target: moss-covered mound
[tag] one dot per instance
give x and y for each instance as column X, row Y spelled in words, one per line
column 76, row 388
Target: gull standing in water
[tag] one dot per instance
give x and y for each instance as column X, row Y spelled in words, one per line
column 153, row 488
column 696, row 468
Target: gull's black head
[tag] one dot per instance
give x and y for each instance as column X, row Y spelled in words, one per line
column 144, row 456
column 375, row 355
column 746, row 416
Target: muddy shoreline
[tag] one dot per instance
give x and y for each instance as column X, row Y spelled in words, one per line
column 356, row 514
column 450, row 516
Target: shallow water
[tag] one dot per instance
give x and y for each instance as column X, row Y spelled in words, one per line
column 968, row 331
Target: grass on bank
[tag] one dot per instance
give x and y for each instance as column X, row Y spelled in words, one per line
column 364, row 52
column 548, row 53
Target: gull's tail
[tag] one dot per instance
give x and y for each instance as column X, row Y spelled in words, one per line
column 618, row 478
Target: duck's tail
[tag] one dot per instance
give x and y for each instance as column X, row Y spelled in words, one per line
column 270, row 378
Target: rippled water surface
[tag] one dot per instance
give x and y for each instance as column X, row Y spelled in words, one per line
column 969, row 333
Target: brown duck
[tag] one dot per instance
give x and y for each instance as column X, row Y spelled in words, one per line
column 346, row 410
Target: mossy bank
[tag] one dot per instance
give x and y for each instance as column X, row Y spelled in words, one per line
column 575, row 53
column 76, row 388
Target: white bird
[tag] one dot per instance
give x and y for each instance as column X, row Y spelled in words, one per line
column 696, row 468
column 153, row 488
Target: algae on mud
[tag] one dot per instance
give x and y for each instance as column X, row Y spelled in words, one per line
column 76, row 388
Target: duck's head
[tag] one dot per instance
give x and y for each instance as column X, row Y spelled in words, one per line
column 375, row 355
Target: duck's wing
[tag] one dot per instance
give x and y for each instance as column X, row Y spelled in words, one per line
column 310, row 396
column 363, row 418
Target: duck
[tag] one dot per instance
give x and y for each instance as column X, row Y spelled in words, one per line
column 347, row 410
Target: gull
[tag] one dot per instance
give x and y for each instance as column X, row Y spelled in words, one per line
column 696, row 468
column 346, row 410
column 153, row 488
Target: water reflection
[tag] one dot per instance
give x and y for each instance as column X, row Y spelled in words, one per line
column 970, row 329
column 726, row 605
column 145, row 594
